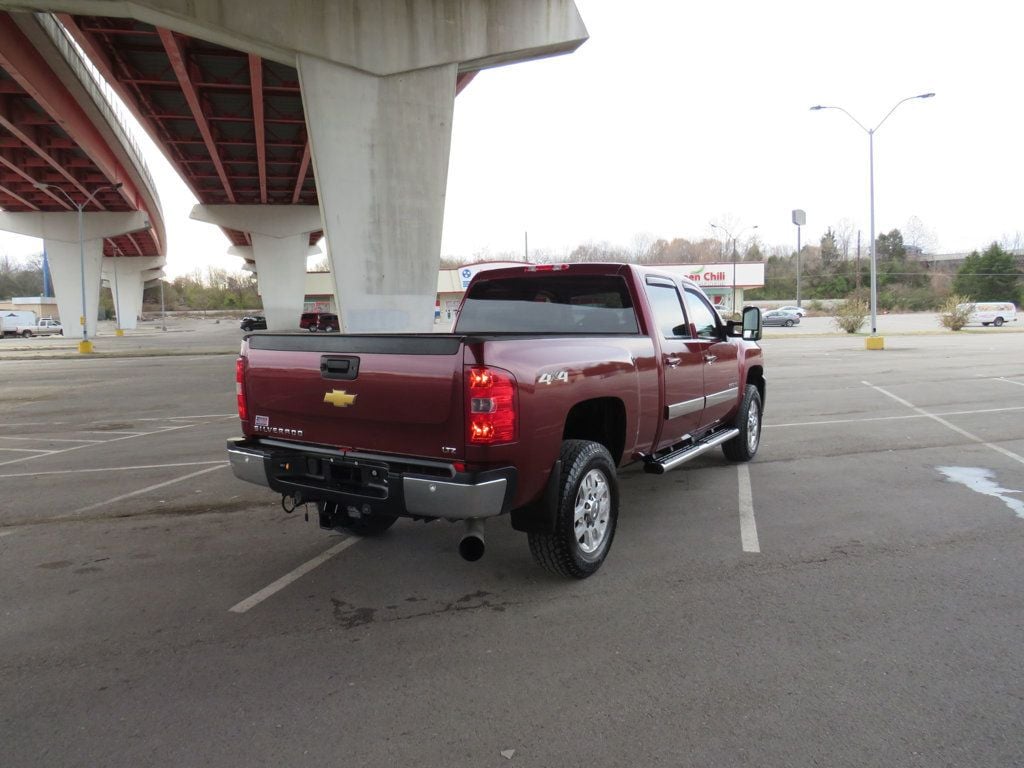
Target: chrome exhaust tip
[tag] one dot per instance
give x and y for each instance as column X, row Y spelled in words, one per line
column 472, row 546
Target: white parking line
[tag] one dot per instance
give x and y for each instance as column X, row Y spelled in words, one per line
column 92, row 445
column 107, row 432
column 52, row 439
column 5, row 533
column 288, row 578
column 894, row 418
column 27, row 450
column 943, row 422
column 201, row 416
column 748, row 525
column 1010, row 381
column 112, row 469
column 147, row 489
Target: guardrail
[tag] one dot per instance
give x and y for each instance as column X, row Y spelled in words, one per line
column 102, row 93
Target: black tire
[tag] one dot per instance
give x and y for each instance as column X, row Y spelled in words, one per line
column 998, row 322
column 367, row 525
column 985, row 324
column 789, row 323
column 26, row 334
column 328, row 328
column 580, row 542
column 744, row 446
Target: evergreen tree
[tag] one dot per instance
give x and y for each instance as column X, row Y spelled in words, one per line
column 989, row 276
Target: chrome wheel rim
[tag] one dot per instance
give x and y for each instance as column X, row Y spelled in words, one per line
column 753, row 425
column 592, row 513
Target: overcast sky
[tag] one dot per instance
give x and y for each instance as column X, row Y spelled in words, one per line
column 677, row 114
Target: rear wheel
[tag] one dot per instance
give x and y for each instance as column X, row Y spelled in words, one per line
column 328, row 328
column 748, row 421
column 340, row 520
column 789, row 323
column 26, row 334
column 997, row 322
column 588, row 510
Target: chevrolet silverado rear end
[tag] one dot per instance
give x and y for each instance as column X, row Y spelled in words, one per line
column 553, row 378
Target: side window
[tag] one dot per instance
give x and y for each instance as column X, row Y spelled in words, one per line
column 704, row 317
column 668, row 311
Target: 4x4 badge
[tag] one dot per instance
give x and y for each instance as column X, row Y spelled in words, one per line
column 339, row 398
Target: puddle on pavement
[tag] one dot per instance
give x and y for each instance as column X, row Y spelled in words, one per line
column 983, row 481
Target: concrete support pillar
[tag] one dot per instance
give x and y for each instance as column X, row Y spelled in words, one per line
column 280, row 241
column 380, row 150
column 127, row 277
column 65, row 268
column 68, row 259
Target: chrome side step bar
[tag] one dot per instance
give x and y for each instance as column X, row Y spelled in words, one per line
column 683, row 455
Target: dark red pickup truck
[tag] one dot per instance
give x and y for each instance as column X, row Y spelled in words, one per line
column 553, row 377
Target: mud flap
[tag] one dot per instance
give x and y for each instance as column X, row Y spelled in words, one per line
column 539, row 517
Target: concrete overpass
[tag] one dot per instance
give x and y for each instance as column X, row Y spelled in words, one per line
column 64, row 151
column 251, row 100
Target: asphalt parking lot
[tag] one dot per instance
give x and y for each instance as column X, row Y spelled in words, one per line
column 858, row 606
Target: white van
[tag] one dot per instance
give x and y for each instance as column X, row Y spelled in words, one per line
column 991, row 313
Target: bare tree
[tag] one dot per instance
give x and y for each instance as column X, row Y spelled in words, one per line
column 642, row 244
column 1013, row 243
column 917, row 237
column 844, row 232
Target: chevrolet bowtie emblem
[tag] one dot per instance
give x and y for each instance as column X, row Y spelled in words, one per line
column 339, row 398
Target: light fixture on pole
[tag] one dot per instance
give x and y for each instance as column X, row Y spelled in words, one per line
column 874, row 341
column 729, row 236
column 799, row 218
column 84, row 346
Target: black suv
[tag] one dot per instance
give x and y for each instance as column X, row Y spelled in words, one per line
column 253, row 323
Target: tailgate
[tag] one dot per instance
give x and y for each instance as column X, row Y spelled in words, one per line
column 395, row 394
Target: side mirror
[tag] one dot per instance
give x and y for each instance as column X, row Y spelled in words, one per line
column 750, row 328
column 751, row 323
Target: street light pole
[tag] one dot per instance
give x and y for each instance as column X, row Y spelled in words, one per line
column 877, row 343
column 117, row 300
column 163, row 312
column 85, row 346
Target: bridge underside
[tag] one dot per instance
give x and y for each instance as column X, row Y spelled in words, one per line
column 345, row 107
column 37, row 147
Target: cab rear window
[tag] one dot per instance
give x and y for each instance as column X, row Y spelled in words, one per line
column 583, row 304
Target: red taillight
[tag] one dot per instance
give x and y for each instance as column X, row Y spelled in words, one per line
column 243, row 409
column 492, row 406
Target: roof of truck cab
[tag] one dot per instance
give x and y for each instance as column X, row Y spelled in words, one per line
column 584, row 268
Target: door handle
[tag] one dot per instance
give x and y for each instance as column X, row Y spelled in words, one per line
column 672, row 362
column 709, row 359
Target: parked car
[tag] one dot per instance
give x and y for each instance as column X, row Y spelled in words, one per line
column 795, row 310
column 319, row 321
column 253, row 323
column 781, row 317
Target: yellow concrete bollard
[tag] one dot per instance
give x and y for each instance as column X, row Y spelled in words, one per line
column 875, row 342
column 85, row 348
column 119, row 332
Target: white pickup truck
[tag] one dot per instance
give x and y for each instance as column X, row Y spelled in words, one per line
column 45, row 327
